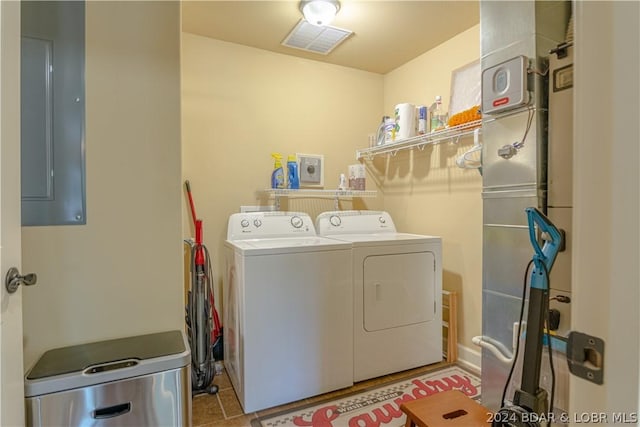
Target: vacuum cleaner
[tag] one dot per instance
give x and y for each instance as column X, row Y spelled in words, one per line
column 203, row 324
column 531, row 404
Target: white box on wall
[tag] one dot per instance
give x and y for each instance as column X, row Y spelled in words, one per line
column 311, row 168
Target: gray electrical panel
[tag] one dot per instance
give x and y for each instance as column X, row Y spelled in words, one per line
column 53, row 113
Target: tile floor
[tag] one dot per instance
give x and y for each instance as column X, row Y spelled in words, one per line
column 223, row 409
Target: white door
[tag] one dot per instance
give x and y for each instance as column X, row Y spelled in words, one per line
column 11, row 370
column 606, row 215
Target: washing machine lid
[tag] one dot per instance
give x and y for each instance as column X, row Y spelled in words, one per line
column 375, row 239
column 285, row 245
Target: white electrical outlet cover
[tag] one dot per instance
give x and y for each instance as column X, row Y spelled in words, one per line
column 311, row 169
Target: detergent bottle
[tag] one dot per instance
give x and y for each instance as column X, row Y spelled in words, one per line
column 277, row 176
column 293, row 179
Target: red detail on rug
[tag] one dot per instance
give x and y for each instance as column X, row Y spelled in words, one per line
column 323, row 417
column 378, row 417
column 320, row 418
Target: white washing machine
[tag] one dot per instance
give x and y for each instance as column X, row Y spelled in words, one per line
column 397, row 286
column 288, row 309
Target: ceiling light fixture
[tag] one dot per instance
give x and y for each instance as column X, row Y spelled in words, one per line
column 319, row 12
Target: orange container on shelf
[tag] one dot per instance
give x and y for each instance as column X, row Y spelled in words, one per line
column 466, row 116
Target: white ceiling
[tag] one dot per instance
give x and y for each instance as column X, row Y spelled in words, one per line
column 386, row 35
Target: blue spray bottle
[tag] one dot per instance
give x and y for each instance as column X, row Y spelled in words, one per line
column 277, row 176
column 293, row 181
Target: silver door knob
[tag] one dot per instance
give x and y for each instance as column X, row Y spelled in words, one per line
column 13, row 279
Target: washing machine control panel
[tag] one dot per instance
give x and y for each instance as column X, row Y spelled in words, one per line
column 354, row 222
column 297, row 222
column 259, row 225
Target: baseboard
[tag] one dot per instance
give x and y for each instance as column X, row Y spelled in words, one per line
column 469, row 358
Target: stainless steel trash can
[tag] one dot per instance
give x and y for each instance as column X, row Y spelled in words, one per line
column 135, row 381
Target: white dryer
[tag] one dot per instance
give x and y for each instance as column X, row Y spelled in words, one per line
column 397, row 286
column 288, row 309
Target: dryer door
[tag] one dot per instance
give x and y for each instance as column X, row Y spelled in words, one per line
column 398, row 290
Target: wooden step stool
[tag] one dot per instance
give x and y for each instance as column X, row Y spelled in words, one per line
column 447, row 408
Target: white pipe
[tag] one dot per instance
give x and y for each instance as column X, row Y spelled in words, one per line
column 514, row 335
column 498, row 349
column 495, row 347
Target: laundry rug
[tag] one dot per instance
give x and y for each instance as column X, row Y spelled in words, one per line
column 378, row 406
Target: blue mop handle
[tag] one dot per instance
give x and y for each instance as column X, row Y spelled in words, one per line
column 544, row 257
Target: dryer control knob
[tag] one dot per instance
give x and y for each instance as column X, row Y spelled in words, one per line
column 296, row 221
column 382, row 220
column 244, row 223
column 335, row 220
column 257, row 222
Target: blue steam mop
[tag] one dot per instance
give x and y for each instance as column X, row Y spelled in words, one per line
column 530, row 401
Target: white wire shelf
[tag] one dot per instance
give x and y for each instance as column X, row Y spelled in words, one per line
column 309, row 192
column 420, row 141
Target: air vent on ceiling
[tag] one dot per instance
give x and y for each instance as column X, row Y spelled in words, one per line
column 315, row 39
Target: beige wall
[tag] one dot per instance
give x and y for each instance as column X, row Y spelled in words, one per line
column 121, row 274
column 240, row 104
column 426, row 192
